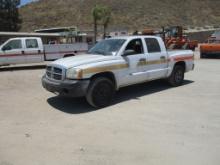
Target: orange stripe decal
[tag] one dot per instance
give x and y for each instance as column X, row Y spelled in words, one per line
column 183, row 58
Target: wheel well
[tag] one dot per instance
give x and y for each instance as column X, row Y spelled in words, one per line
column 108, row 75
column 68, row 55
column 181, row 63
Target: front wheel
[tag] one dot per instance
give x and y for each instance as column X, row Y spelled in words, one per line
column 100, row 92
column 177, row 76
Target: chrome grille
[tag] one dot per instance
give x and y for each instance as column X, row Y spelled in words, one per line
column 57, row 70
column 57, row 77
column 54, row 73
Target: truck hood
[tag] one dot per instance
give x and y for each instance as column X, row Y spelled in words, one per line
column 78, row 60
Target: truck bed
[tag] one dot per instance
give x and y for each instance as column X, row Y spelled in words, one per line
column 59, row 50
column 179, row 52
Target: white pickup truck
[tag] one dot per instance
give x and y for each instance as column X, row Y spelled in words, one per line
column 31, row 50
column 115, row 63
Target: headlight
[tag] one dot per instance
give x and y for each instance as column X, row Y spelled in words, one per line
column 73, row 73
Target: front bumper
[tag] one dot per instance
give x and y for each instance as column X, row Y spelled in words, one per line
column 71, row 88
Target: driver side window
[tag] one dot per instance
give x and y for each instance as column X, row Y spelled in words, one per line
column 135, row 47
column 14, row 44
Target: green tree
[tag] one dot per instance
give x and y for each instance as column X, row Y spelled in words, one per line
column 106, row 17
column 9, row 15
column 97, row 12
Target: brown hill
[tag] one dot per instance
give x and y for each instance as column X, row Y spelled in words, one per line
column 131, row 14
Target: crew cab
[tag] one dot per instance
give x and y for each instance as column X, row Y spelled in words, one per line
column 115, row 63
column 31, row 50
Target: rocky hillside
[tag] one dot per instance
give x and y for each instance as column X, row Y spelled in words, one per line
column 131, row 14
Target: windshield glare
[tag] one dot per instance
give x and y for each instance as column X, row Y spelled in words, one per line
column 107, row 47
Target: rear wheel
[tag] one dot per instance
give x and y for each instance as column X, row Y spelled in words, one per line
column 177, row 76
column 100, row 92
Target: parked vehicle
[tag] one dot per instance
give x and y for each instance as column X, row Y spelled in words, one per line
column 31, row 50
column 175, row 39
column 212, row 47
column 115, row 63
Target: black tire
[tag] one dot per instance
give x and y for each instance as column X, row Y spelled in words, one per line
column 177, row 76
column 100, row 92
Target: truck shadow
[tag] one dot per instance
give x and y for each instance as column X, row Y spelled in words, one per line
column 80, row 106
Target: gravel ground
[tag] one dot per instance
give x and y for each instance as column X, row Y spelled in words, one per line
column 147, row 124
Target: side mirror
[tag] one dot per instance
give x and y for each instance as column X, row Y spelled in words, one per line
column 6, row 48
column 128, row 52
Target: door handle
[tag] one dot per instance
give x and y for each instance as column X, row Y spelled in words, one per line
column 39, row 51
column 22, row 52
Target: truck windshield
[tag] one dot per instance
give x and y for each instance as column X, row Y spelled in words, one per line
column 107, row 47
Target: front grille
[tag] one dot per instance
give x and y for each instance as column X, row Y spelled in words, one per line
column 57, row 70
column 48, row 74
column 54, row 73
column 57, row 77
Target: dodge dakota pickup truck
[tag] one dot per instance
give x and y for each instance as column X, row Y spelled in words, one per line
column 31, row 50
column 115, row 63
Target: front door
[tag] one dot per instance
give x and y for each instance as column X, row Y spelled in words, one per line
column 136, row 59
column 13, row 52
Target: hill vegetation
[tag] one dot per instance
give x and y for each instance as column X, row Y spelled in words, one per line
column 129, row 14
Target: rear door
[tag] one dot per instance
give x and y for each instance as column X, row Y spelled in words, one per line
column 33, row 51
column 13, row 52
column 157, row 64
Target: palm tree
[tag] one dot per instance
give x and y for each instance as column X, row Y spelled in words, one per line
column 106, row 17
column 97, row 13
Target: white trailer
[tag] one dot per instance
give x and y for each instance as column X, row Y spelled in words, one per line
column 31, row 50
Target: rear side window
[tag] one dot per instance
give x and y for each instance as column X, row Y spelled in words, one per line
column 31, row 43
column 152, row 45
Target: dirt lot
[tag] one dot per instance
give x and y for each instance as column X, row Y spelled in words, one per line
column 147, row 124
